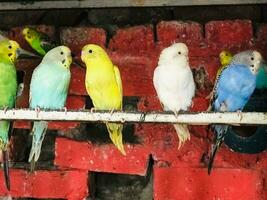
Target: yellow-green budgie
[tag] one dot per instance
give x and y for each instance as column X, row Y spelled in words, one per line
column 225, row 60
column 103, row 84
column 8, row 91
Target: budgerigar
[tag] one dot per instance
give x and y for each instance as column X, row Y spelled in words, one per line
column 174, row 84
column 225, row 59
column 42, row 43
column 103, row 84
column 8, row 92
column 48, row 90
column 39, row 41
column 234, row 88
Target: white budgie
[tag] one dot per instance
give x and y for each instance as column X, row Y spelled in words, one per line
column 174, row 83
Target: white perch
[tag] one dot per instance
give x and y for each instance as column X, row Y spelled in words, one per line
column 201, row 118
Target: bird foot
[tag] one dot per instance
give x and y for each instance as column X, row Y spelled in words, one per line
column 37, row 110
column 93, row 109
column 5, row 109
column 240, row 114
column 65, row 110
column 111, row 111
column 176, row 114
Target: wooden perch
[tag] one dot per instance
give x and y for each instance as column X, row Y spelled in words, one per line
column 200, row 118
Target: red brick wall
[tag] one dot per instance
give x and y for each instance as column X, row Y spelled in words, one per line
column 177, row 174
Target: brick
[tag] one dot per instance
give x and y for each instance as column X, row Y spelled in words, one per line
column 77, row 82
column 261, row 41
column 137, row 39
column 47, row 184
column 101, row 158
column 195, row 183
column 226, row 158
column 72, row 103
column 229, row 33
column 169, row 32
column 164, row 146
column 77, row 37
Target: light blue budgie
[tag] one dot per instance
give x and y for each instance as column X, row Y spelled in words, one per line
column 234, row 88
column 48, row 90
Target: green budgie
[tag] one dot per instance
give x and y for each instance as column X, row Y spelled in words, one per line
column 8, row 92
column 48, row 90
column 39, row 41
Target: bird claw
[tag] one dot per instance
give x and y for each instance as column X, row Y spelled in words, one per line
column 65, row 110
column 111, row 111
column 37, row 110
column 176, row 114
column 240, row 114
column 93, row 109
column 5, row 109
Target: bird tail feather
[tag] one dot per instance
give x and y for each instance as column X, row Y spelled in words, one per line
column 39, row 130
column 6, row 168
column 5, row 130
column 183, row 133
column 220, row 131
column 115, row 134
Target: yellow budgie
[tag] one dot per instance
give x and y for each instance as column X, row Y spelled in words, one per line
column 103, row 84
column 225, row 59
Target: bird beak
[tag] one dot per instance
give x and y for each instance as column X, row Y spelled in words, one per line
column 22, row 53
column 77, row 62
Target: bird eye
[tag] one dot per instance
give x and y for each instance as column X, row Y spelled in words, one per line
column 90, row 51
column 179, row 52
column 10, row 54
column 252, row 58
column 61, row 53
column 10, row 47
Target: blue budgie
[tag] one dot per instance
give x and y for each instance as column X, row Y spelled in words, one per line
column 48, row 90
column 234, row 88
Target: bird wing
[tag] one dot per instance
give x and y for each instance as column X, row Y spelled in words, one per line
column 118, row 79
column 46, row 42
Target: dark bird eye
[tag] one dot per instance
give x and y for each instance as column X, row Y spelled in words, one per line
column 10, row 47
column 61, row 53
column 251, row 58
column 90, row 51
column 10, row 54
column 179, row 52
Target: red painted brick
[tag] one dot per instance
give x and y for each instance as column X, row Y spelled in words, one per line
column 137, row 39
column 229, row 33
column 164, row 146
column 101, row 158
column 47, row 184
column 261, row 41
column 169, row 32
column 77, row 37
column 72, row 103
column 225, row 158
column 77, row 83
column 195, row 183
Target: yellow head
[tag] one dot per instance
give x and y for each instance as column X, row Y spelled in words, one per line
column 92, row 54
column 30, row 34
column 61, row 56
column 225, row 57
column 9, row 49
